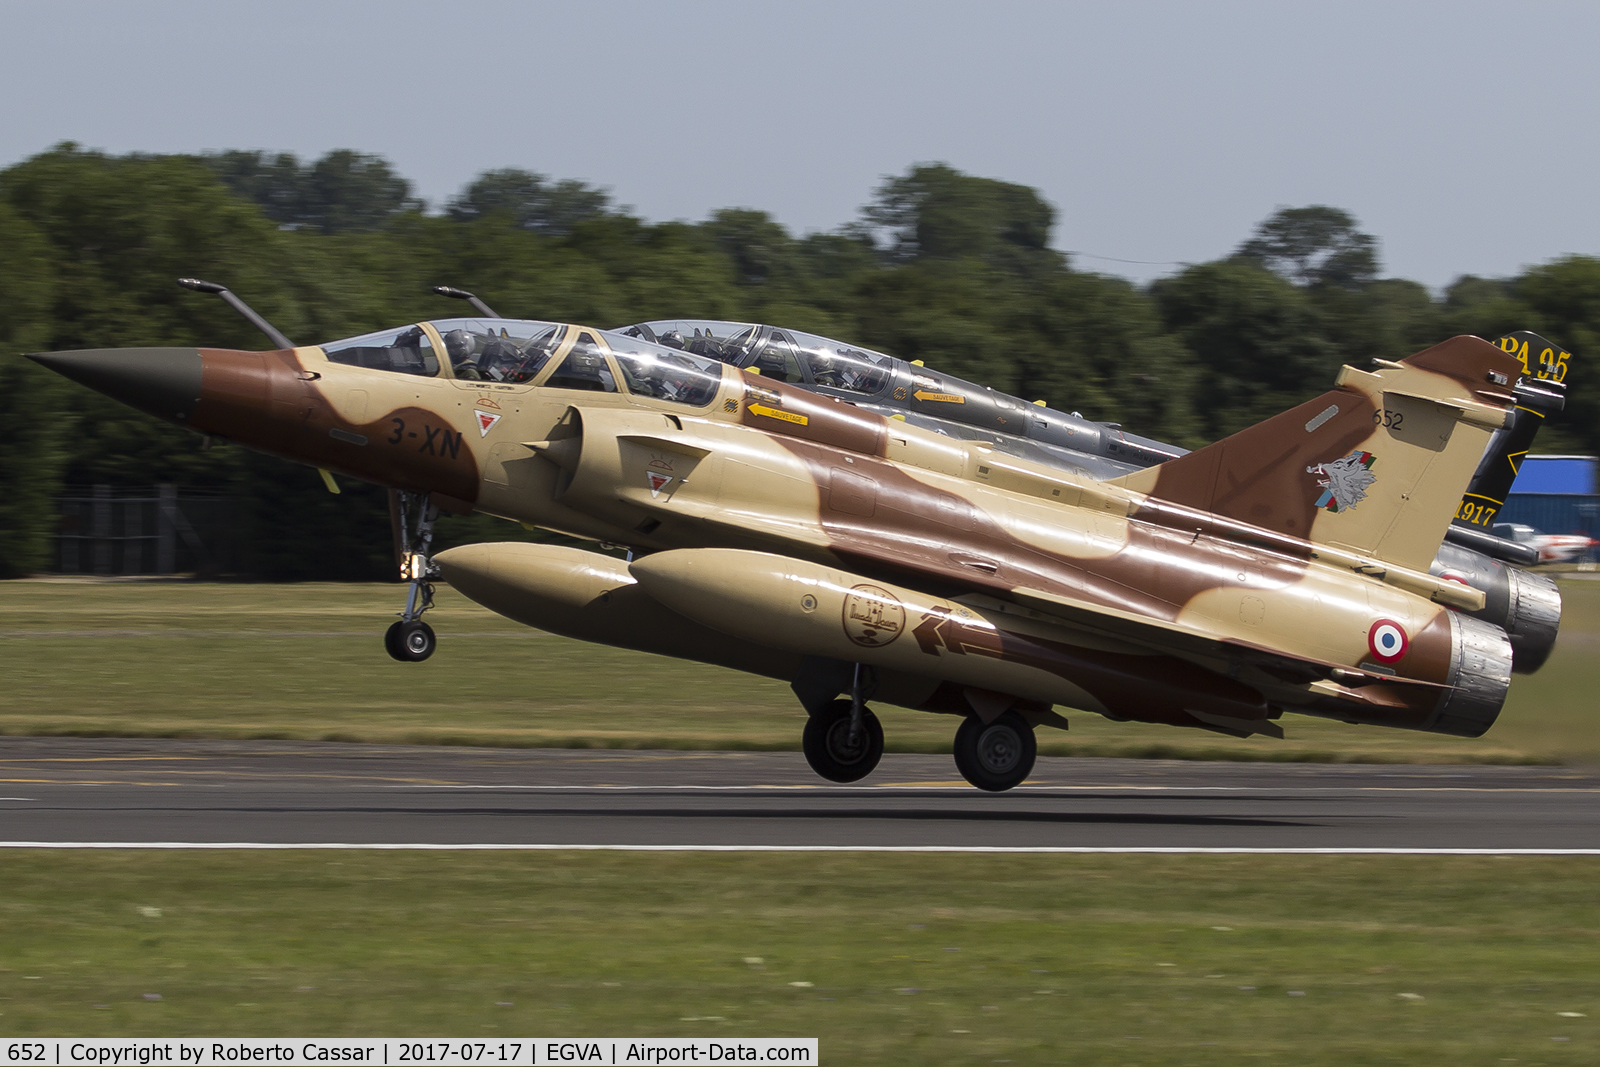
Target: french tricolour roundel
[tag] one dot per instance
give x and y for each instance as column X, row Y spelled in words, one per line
column 1388, row 640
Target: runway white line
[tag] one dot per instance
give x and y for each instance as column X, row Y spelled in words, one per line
column 966, row 790
column 985, row 849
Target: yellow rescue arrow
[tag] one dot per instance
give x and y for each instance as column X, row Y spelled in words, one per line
column 943, row 398
column 778, row 413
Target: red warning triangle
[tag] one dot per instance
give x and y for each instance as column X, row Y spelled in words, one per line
column 486, row 422
column 658, row 482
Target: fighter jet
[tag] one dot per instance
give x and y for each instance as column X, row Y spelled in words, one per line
column 1527, row 606
column 860, row 558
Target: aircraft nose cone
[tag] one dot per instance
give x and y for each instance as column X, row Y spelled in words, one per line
column 165, row 382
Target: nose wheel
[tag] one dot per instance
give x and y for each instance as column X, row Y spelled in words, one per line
column 998, row 755
column 410, row 640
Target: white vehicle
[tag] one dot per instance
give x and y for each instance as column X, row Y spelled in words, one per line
column 1552, row 548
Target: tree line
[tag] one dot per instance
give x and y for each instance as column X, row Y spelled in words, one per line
column 941, row 266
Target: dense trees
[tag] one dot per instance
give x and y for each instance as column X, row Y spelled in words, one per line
column 936, row 212
column 530, row 201
column 1256, row 339
column 941, row 266
column 1314, row 245
column 30, row 403
column 343, row 191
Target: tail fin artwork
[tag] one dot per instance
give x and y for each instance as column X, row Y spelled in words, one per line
column 1376, row 466
column 1541, row 392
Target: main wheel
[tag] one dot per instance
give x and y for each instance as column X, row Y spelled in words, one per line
column 998, row 756
column 827, row 743
column 391, row 640
column 410, row 642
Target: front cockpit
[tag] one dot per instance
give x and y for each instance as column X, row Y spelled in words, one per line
column 510, row 351
column 550, row 355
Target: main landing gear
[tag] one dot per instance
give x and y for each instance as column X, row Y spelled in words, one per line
column 997, row 755
column 410, row 640
column 831, row 749
column 844, row 741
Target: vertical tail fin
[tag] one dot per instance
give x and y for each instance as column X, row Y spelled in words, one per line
column 1541, row 392
column 1376, row 466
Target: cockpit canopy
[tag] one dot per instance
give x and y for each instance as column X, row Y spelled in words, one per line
column 407, row 350
column 499, row 350
column 781, row 353
column 922, row 396
column 527, row 352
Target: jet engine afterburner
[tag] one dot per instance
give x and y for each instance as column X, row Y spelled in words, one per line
column 1480, row 674
column 1525, row 605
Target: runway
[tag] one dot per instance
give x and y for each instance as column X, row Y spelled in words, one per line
column 114, row 792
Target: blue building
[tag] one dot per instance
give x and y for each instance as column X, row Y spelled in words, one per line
column 1555, row 495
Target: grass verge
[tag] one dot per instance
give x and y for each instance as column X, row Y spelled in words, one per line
column 895, row 959
column 180, row 659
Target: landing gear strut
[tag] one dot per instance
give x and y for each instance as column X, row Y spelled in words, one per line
column 844, row 741
column 998, row 755
column 410, row 640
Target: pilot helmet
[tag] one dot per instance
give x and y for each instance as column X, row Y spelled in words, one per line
column 672, row 339
column 458, row 343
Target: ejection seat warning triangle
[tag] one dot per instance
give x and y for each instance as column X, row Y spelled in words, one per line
column 658, row 482
column 486, row 422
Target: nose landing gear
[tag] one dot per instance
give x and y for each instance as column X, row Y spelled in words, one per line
column 410, row 640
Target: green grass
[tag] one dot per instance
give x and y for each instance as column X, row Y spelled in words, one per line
column 305, row 662
column 923, row 959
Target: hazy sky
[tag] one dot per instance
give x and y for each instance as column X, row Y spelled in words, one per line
column 1463, row 135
